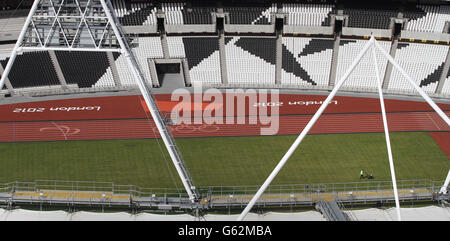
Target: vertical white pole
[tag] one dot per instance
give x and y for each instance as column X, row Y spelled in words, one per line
column 304, row 132
column 18, row 43
column 447, row 181
column 386, row 133
column 421, row 92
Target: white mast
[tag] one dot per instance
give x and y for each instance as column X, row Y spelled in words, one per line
column 386, row 133
column 96, row 29
column 304, row 132
column 372, row 42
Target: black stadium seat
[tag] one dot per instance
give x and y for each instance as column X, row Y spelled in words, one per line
column 23, row 73
column 82, row 68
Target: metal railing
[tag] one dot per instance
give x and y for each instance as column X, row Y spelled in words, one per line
column 207, row 191
column 89, row 186
column 324, row 187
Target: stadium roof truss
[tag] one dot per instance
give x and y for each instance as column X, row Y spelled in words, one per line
column 91, row 25
column 79, row 25
column 372, row 43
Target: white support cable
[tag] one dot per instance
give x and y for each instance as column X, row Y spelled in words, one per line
column 304, row 132
column 386, row 133
column 421, row 92
column 18, row 43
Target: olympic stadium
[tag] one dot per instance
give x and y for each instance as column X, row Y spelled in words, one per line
column 224, row 110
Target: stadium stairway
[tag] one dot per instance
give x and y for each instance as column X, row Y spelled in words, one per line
column 331, row 211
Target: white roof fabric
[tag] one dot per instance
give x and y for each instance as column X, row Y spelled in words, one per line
column 27, row 215
column 270, row 216
column 431, row 213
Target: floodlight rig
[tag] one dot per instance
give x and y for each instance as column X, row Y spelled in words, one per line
column 371, row 43
column 91, row 25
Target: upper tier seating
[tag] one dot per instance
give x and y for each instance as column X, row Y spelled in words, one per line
column 250, row 15
column 134, row 13
column 422, row 18
column 427, row 18
column 179, row 13
column 308, row 14
column 370, row 18
column 197, row 15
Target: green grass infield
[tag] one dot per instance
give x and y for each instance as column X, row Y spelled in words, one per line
column 229, row 161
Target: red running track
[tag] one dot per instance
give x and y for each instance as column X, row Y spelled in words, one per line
column 145, row 128
column 443, row 140
column 131, row 107
column 85, row 118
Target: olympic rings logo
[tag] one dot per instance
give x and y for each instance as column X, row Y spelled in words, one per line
column 187, row 129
